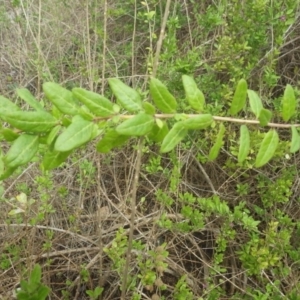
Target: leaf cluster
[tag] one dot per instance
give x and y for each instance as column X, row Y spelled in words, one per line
column 80, row 116
column 33, row 289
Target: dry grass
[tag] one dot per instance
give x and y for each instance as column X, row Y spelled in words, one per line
column 43, row 41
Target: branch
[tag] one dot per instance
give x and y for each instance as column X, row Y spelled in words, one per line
column 217, row 118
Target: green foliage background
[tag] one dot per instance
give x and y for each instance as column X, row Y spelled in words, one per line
column 206, row 229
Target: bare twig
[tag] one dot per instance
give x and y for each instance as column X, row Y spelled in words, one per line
column 88, row 47
column 100, row 234
column 39, row 69
column 104, row 46
column 133, row 213
column 188, row 23
column 206, row 176
column 74, row 234
column 133, row 45
column 161, row 37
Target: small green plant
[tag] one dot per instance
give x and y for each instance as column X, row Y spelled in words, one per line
column 117, row 253
column 261, row 254
column 94, row 294
column 274, row 193
column 33, row 289
column 152, row 268
column 182, row 290
column 84, row 273
column 48, row 243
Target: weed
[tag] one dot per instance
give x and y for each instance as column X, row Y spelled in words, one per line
column 33, row 289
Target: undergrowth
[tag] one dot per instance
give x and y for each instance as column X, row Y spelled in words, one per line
column 203, row 229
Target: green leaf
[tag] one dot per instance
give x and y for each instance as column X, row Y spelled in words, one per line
column 66, row 121
column 158, row 133
column 53, row 159
column 97, row 104
column 193, row 95
column 29, row 98
column 129, row 98
column 56, row 113
column 111, row 140
column 78, row 133
column 267, row 148
column 159, row 122
column 53, row 134
column 255, row 103
column 162, row 98
column 22, row 150
column 61, row 98
column 85, row 113
column 244, row 143
column 148, row 108
column 173, row 137
column 295, row 143
column 6, row 104
column 43, row 292
column 97, row 130
column 43, row 139
column 9, row 134
column 139, row 125
column 264, row 117
column 239, row 97
column 36, row 274
column 288, row 103
column 7, row 173
column 215, row 150
column 30, row 121
column 16, row 211
column 198, row 122
column 116, row 108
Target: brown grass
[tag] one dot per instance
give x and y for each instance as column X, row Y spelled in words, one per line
column 52, row 42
